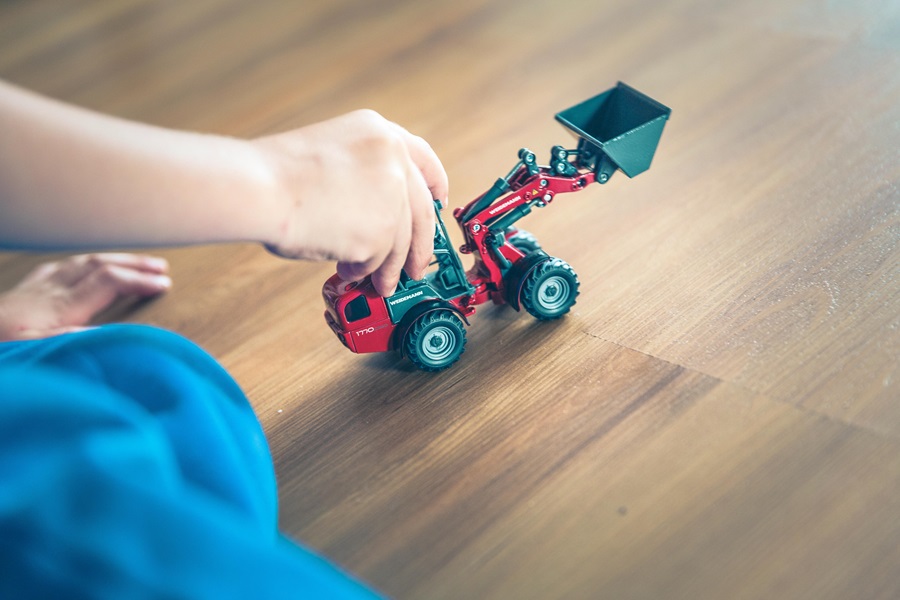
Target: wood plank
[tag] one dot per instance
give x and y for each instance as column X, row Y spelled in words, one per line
column 718, row 415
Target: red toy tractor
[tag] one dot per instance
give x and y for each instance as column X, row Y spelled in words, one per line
column 425, row 319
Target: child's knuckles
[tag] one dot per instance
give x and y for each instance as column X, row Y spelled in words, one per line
column 107, row 274
column 358, row 253
column 94, row 261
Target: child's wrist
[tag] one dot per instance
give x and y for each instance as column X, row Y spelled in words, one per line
column 257, row 201
column 284, row 170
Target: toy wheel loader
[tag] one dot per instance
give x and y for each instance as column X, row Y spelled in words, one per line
column 425, row 319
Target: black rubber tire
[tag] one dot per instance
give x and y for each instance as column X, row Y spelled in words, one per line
column 436, row 340
column 524, row 242
column 550, row 290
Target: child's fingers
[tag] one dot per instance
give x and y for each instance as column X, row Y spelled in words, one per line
column 140, row 262
column 381, row 265
column 103, row 285
column 386, row 276
column 428, row 163
column 372, row 255
column 123, row 281
column 75, row 268
column 421, row 245
column 354, row 271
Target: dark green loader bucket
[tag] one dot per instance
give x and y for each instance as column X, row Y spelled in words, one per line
column 620, row 128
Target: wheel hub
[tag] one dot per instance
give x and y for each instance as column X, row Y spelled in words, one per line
column 553, row 293
column 438, row 344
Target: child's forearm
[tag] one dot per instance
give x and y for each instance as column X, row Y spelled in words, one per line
column 72, row 178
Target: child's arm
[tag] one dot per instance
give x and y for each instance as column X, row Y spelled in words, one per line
column 357, row 189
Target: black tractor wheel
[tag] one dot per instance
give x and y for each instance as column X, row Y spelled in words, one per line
column 550, row 290
column 436, row 340
column 524, row 241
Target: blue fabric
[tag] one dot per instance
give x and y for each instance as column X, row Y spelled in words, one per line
column 132, row 466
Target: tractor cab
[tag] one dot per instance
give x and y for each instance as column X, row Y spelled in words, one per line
column 366, row 322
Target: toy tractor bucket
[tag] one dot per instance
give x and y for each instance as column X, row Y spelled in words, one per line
column 620, row 128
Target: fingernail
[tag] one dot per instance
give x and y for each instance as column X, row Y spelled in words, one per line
column 164, row 281
column 160, row 264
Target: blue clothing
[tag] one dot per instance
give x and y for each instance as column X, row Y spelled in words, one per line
column 132, row 466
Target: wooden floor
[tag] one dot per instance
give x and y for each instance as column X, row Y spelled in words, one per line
column 719, row 416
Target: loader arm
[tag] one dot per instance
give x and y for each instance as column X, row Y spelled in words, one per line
column 526, row 191
column 486, row 219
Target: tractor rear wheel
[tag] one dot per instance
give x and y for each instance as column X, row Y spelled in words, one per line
column 550, row 290
column 524, row 241
column 436, row 340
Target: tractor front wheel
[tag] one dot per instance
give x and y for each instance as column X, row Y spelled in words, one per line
column 550, row 290
column 436, row 340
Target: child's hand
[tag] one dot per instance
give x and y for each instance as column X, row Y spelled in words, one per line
column 359, row 190
column 63, row 296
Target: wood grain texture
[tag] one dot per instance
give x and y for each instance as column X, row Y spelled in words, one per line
column 719, row 416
